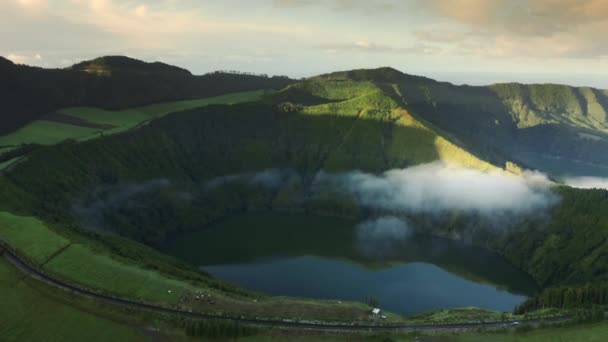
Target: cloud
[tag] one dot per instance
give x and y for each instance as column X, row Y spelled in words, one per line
column 371, row 47
column 91, row 212
column 380, row 237
column 34, row 59
column 269, row 178
column 587, row 182
column 150, row 25
column 33, row 5
column 291, row 3
column 435, row 187
column 339, row 5
column 523, row 28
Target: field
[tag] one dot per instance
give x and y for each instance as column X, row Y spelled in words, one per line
column 33, row 239
column 588, row 333
column 29, row 315
column 30, row 236
column 112, row 276
column 46, row 132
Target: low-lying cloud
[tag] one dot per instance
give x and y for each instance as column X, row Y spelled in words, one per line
column 91, row 211
column 587, row 182
column 269, row 178
column 381, row 236
column 436, row 187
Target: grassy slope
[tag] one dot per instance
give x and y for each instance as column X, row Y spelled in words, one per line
column 46, row 133
column 31, row 236
column 372, row 108
column 57, row 255
column 588, row 333
column 29, row 315
column 49, row 132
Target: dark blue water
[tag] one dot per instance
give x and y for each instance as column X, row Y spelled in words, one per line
column 406, row 289
column 318, row 257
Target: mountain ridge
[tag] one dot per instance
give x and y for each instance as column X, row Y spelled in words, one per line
column 110, row 64
column 556, row 128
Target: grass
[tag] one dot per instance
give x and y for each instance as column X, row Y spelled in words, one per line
column 46, row 133
column 26, row 314
column 30, row 236
column 36, row 241
column 452, row 154
column 6, row 164
column 49, row 132
column 110, row 275
column 588, row 333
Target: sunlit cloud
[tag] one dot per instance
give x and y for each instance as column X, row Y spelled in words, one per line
column 368, row 46
column 33, row 5
column 523, row 28
column 35, row 59
column 304, row 37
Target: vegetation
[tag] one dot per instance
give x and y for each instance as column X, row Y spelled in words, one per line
column 110, row 83
column 589, row 332
column 349, row 125
column 369, row 120
column 29, row 314
column 31, row 237
column 46, row 133
column 83, row 123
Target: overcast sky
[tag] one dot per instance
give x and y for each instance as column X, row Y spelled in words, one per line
column 462, row 41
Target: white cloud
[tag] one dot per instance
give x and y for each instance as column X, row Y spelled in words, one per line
column 33, row 5
column 587, row 182
column 381, row 236
column 436, row 187
column 33, row 59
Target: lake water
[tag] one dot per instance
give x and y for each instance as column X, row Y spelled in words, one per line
column 323, row 257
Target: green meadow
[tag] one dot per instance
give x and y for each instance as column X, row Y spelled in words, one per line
column 107, row 274
column 46, row 133
column 30, row 237
column 28, row 314
column 51, row 132
column 34, row 240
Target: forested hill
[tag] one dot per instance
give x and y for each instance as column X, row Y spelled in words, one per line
column 110, row 64
column 27, row 93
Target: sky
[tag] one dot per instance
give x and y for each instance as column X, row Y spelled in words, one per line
column 461, row 41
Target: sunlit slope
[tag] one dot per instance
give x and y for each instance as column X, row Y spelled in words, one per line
column 378, row 132
column 556, row 128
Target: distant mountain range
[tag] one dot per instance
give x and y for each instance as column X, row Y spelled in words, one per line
column 559, row 129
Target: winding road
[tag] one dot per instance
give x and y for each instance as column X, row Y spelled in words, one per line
column 36, row 274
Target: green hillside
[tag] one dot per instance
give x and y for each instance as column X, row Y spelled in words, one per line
column 112, row 83
column 368, row 120
column 559, row 129
column 338, row 126
column 82, row 123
